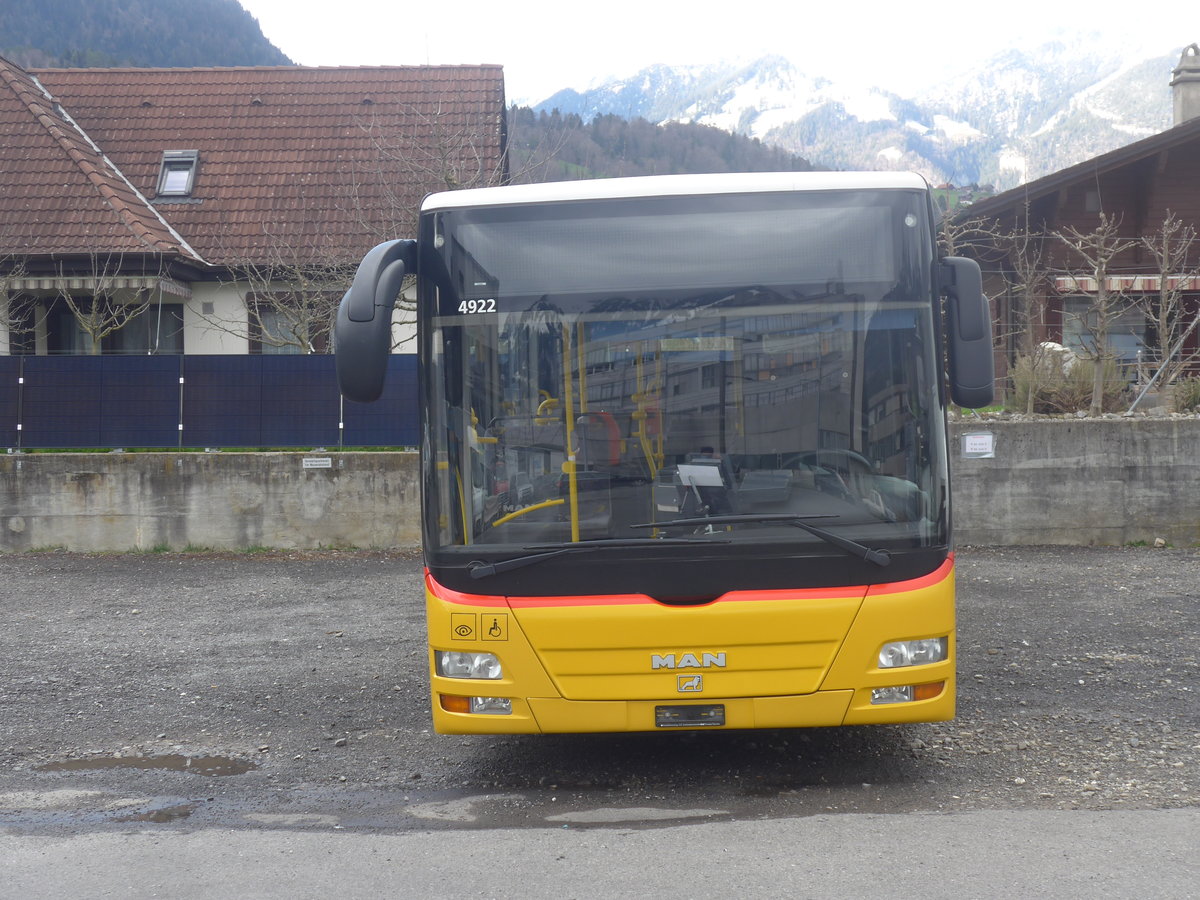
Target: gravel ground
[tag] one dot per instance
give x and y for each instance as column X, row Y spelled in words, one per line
column 289, row 690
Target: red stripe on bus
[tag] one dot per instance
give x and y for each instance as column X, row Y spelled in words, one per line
column 839, row 593
column 937, row 576
column 445, row 594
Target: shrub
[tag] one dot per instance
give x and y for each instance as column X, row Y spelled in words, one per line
column 1185, row 396
column 1064, row 389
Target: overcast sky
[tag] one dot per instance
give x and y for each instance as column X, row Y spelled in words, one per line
column 545, row 46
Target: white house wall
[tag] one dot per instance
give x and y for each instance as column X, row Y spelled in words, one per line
column 223, row 331
column 404, row 324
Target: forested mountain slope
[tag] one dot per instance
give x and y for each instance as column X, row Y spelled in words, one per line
column 133, row 33
column 548, row 146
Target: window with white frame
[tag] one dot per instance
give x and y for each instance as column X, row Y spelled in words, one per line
column 177, row 176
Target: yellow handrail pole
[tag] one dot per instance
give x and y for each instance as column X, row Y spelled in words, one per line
column 583, row 392
column 639, row 416
column 443, row 516
column 528, row 509
column 662, row 392
column 638, row 369
column 739, row 375
column 569, row 428
column 462, row 505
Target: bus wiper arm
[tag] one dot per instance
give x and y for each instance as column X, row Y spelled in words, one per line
column 480, row 569
column 878, row 557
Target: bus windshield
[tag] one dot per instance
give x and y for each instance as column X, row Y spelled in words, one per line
column 711, row 367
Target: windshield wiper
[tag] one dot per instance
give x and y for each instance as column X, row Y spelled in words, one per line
column 480, row 569
column 878, row 557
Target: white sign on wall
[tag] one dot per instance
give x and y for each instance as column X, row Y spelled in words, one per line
column 979, row 445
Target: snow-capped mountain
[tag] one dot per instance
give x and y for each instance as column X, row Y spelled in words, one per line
column 1016, row 116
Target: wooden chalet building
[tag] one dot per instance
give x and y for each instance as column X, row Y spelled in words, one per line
column 210, row 203
column 1135, row 187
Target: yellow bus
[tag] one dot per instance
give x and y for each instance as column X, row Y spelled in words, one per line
column 683, row 448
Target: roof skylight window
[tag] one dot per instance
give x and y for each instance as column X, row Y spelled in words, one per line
column 178, row 172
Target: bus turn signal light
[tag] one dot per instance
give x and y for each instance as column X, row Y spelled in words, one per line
column 928, row 691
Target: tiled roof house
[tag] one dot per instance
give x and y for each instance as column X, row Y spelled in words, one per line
column 197, row 190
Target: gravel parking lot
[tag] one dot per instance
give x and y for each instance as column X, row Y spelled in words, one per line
column 288, row 690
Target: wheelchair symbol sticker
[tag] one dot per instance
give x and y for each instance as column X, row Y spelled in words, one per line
column 494, row 627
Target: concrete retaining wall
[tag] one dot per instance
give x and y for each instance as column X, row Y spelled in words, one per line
column 1079, row 481
column 122, row 501
column 1049, row 482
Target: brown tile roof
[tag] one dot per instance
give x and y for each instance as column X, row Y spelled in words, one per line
column 314, row 162
column 58, row 193
column 1088, row 170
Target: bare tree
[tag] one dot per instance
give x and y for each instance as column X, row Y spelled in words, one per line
column 291, row 285
column 20, row 313
column 433, row 150
column 1018, row 256
column 1096, row 250
column 1028, row 281
column 1172, row 249
column 17, row 311
column 541, row 160
column 101, row 304
column 287, row 303
column 290, row 292
column 958, row 236
column 295, row 307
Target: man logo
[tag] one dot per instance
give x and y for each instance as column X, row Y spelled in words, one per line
column 687, row 661
column 690, row 684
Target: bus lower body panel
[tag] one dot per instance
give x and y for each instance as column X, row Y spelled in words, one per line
column 767, row 659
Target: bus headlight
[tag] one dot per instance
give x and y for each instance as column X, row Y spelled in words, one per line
column 461, row 664
column 907, row 693
column 486, row 706
column 898, row 654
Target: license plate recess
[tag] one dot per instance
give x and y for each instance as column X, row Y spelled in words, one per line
column 689, row 716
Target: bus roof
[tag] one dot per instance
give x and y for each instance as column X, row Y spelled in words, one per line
column 673, row 185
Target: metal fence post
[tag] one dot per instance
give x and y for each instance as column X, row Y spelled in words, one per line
column 180, row 416
column 20, row 403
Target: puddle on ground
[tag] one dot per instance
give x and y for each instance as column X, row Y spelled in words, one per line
column 163, row 815
column 174, row 762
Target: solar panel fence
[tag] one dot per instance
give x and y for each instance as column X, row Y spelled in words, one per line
column 98, row 402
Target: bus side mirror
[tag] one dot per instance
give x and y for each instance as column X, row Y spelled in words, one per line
column 968, row 333
column 363, row 328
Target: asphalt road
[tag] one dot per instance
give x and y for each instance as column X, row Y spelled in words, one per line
column 256, row 725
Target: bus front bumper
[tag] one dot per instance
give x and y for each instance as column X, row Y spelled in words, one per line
column 548, row 715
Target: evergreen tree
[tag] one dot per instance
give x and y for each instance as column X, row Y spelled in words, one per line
column 551, row 146
column 84, row 33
